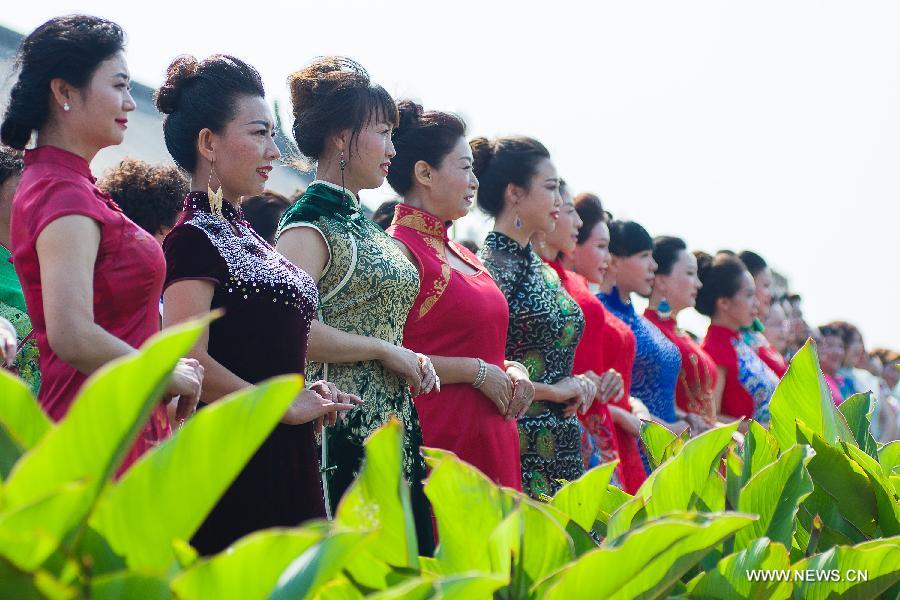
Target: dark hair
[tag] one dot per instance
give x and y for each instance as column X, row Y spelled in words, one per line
column 68, row 48
column 421, row 135
column 503, row 161
column 470, row 245
column 384, row 214
column 665, row 252
column 755, row 263
column 846, row 330
column 590, row 211
column 202, row 95
column 332, row 94
column 831, row 330
column 149, row 195
column 564, row 189
column 11, row 163
column 721, row 278
column 263, row 213
column 627, row 238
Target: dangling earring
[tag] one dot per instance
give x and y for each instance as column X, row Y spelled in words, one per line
column 343, row 165
column 665, row 309
column 518, row 222
column 66, row 106
column 215, row 198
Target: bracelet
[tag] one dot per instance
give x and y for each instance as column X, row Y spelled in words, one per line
column 518, row 365
column 482, row 374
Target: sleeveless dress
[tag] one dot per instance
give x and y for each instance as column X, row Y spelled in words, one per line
column 459, row 418
column 367, row 288
column 545, row 326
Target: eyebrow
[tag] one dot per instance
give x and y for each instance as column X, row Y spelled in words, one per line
column 122, row 75
column 553, row 179
column 259, row 122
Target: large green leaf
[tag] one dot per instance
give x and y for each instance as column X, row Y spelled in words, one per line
column 803, row 395
column 467, row 507
column 339, row 589
column 887, row 501
column 857, row 410
column 22, row 422
column 623, row 518
column 94, row 437
column 128, row 585
column 29, row 534
column 318, row 565
column 862, row 571
column 35, row 585
column 582, row 499
column 250, row 568
column 197, row 463
column 655, row 438
column 734, row 467
column 730, row 580
column 889, row 458
column 645, row 563
column 774, row 493
column 610, row 500
column 466, row 587
column 379, row 499
column 760, row 449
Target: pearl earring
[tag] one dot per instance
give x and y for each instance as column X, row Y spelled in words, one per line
column 66, row 106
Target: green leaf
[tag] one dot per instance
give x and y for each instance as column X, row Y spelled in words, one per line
column 128, row 585
column 197, row 463
column 465, row 587
column 645, row 563
column 29, row 534
column 22, row 422
column 545, row 545
column 803, row 395
column 105, row 419
column 729, row 579
column 857, row 410
column 734, row 467
column 610, row 501
column 418, row 588
column 582, row 499
column 378, row 500
column 250, row 568
column 318, row 565
column 623, row 517
column 889, row 457
column 887, row 501
column 467, row 507
column 338, row 589
column 35, row 585
column 760, row 449
column 845, row 567
column 774, row 493
column 655, row 438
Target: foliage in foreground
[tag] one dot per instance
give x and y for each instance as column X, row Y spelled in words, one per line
column 813, row 492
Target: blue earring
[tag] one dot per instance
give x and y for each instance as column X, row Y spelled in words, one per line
column 518, row 223
column 665, row 309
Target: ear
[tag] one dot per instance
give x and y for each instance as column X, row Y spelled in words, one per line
column 660, row 284
column 614, row 262
column 206, row 144
column 341, row 141
column 422, row 173
column 723, row 305
column 62, row 91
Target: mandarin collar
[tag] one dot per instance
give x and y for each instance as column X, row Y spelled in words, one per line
column 614, row 300
column 199, row 202
column 354, row 201
column 420, row 220
column 660, row 321
column 725, row 331
column 501, row 241
column 59, row 157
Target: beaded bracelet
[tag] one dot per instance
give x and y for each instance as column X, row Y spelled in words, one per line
column 482, row 374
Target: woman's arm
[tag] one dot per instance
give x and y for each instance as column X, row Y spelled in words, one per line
column 188, row 299
column 67, row 252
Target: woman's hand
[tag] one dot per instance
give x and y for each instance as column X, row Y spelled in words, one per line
column 697, row 423
column 582, row 401
column 497, row 387
column 321, row 402
column 522, row 394
column 610, row 385
column 187, row 383
column 8, row 341
column 415, row 369
column 629, row 423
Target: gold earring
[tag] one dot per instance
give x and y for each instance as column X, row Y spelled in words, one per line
column 215, row 198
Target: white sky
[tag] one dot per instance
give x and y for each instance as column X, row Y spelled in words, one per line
column 769, row 125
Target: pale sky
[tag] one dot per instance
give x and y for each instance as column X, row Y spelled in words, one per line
column 768, row 125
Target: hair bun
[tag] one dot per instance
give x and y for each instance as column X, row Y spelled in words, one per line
column 183, row 69
column 482, row 153
column 704, row 262
column 410, row 116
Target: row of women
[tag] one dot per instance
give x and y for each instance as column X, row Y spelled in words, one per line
column 507, row 358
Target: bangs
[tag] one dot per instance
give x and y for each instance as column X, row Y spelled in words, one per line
column 380, row 107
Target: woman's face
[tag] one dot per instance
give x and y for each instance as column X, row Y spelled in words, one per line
column 763, row 281
column 831, row 353
column 635, row 273
column 370, row 154
column 453, row 184
column 592, row 256
column 776, row 325
column 98, row 114
column 740, row 309
column 538, row 207
column 564, row 237
column 855, row 350
column 681, row 285
column 245, row 149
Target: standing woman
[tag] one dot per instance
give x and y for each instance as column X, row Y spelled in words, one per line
column 481, row 393
column 366, row 285
column 744, row 384
column 598, row 439
column 519, row 187
column 675, row 288
column 91, row 277
column 219, row 128
column 657, row 360
column 616, row 343
column 753, row 335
